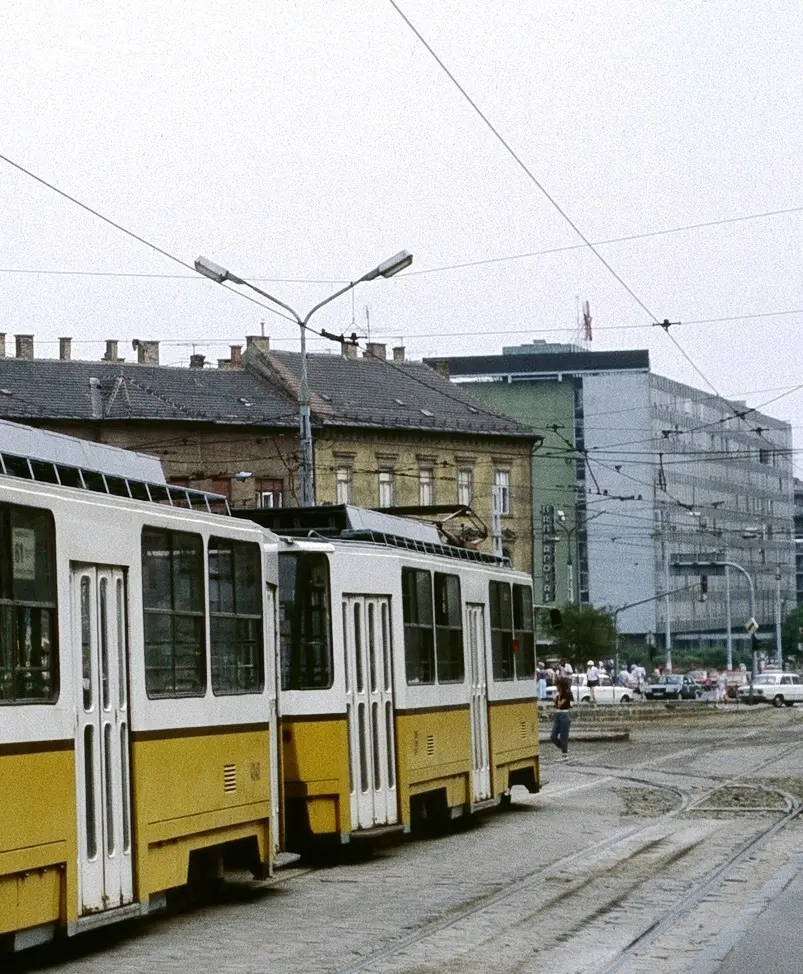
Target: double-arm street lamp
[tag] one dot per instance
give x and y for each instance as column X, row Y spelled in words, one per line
column 386, row 269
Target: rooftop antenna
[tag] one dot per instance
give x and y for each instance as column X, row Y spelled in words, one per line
column 367, row 323
column 587, row 333
column 262, row 327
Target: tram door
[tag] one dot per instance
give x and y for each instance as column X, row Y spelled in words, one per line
column 369, row 696
column 105, row 876
column 477, row 665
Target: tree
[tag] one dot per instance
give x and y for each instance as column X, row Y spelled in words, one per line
column 792, row 633
column 584, row 633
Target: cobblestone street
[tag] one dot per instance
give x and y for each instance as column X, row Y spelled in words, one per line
column 563, row 881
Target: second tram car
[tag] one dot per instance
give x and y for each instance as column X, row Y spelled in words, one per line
column 407, row 678
column 137, row 688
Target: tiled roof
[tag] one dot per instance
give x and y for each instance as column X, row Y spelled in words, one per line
column 52, row 389
column 356, row 393
column 373, row 392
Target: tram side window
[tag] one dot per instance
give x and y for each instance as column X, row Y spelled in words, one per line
column 28, row 630
column 449, row 629
column 304, row 621
column 523, row 628
column 173, row 601
column 501, row 630
column 235, row 616
column 419, row 643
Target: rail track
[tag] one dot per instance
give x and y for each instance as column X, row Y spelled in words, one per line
column 618, row 905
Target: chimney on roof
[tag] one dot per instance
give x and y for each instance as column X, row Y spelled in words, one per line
column 197, row 361
column 65, row 349
column 147, row 352
column 349, row 350
column 260, row 342
column 236, row 355
column 441, row 366
column 24, row 346
column 2, row 344
column 375, row 350
column 110, row 355
column 224, row 363
column 398, row 353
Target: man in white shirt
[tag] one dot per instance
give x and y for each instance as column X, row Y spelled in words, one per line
column 592, row 679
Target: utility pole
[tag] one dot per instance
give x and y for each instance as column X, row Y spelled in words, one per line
column 778, row 636
column 667, row 593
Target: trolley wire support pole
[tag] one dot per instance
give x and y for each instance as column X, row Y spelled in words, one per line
column 386, row 269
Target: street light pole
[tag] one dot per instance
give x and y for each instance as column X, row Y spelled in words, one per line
column 386, row 269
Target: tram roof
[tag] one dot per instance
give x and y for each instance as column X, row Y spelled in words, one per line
column 345, row 522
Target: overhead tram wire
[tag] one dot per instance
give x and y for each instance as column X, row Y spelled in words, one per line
column 528, row 172
column 127, row 232
column 520, row 162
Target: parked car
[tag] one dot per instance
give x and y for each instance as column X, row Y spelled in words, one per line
column 606, row 692
column 673, row 686
column 779, row 689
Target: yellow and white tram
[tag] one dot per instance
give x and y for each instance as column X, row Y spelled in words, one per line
column 137, row 687
column 407, row 677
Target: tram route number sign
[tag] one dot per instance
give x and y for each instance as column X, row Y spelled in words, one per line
column 23, row 542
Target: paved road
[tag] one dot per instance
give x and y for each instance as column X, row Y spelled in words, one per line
column 611, row 868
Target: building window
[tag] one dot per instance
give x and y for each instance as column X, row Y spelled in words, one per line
column 426, row 486
column 502, row 490
column 387, row 487
column 465, row 487
column 344, row 484
column 419, row 643
column 235, row 617
column 28, row 639
column 270, row 492
column 222, row 485
column 173, row 603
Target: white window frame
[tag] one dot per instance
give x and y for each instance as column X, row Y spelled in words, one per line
column 502, row 488
column 387, row 487
column 344, row 484
column 465, row 486
column 426, row 486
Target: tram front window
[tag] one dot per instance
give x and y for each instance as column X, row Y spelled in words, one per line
column 304, row 621
column 28, row 642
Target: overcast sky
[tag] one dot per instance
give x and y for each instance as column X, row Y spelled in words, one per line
column 300, row 143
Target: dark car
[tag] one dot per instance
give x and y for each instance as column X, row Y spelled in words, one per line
column 673, row 686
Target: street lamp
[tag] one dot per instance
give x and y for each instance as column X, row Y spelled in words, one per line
column 220, row 274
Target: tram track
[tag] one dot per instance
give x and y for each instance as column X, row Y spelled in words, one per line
column 591, row 897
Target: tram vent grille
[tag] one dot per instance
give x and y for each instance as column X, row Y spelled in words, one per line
column 524, row 730
column 430, row 745
column 229, row 778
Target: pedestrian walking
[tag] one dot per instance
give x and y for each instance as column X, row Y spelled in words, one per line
column 541, row 678
column 592, row 679
column 563, row 716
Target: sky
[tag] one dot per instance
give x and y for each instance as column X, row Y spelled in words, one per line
column 301, row 143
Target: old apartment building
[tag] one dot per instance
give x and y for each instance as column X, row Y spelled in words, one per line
column 386, row 433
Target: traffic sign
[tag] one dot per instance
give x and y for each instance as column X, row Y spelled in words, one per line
column 751, row 625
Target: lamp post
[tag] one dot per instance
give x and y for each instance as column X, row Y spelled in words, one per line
column 386, row 269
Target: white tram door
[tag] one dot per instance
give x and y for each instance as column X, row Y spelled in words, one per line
column 478, row 670
column 271, row 624
column 369, row 706
column 105, row 875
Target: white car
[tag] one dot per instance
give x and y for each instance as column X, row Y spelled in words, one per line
column 775, row 688
column 606, row 692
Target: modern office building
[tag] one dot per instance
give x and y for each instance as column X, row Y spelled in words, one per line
column 654, row 472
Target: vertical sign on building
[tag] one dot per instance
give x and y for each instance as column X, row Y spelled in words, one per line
column 548, row 538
